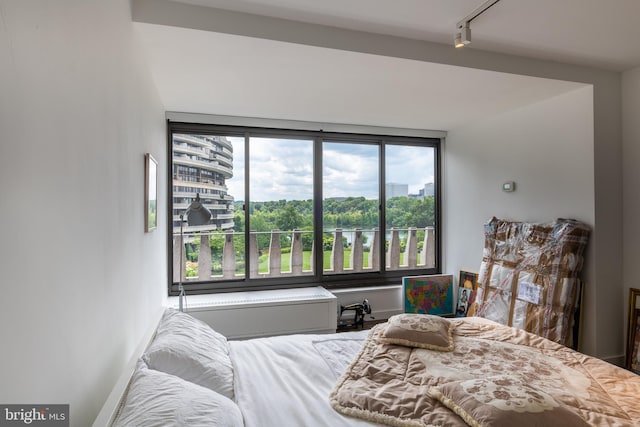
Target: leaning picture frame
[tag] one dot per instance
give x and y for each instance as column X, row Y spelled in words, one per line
column 430, row 294
column 467, row 290
column 150, row 193
column 633, row 332
column 634, row 362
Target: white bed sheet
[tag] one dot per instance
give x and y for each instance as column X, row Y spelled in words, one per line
column 286, row 380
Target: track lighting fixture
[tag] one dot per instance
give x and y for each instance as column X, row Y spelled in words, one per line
column 463, row 30
column 463, row 36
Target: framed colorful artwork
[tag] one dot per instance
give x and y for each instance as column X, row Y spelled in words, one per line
column 431, row 294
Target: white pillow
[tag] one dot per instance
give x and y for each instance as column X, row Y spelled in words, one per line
column 156, row 399
column 190, row 349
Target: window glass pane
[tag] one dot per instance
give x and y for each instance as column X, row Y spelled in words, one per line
column 208, row 167
column 270, row 236
column 281, row 207
column 350, row 209
column 410, row 206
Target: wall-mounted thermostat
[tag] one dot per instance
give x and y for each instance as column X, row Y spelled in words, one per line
column 509, row 186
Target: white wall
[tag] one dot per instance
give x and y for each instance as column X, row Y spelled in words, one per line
column 81, row 280
column 547, row 149
column 631, row 178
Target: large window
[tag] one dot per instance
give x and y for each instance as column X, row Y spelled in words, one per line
column 281, row 206
column 294, row 208
column 350, row 207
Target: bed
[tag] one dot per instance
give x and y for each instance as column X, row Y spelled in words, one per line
column 414, row 370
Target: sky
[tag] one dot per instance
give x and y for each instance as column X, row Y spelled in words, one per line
column 283, row 169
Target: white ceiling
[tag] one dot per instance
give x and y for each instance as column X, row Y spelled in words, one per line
column 595, row 33
column 216, row 73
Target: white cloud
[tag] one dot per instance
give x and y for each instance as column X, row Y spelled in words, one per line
column 283, row 169
column 412, row 165
column 350, row 170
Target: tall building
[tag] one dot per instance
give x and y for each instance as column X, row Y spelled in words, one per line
column 396, row 190
column 201, row 164
column 428, row 191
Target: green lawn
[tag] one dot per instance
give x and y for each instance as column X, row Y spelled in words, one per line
column 263, row 261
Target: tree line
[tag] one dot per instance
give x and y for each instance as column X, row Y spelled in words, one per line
column 352, row 212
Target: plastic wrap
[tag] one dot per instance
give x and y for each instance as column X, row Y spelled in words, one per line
column 529, row 277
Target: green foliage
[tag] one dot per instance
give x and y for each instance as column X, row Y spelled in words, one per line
column 289, row 218
column 404, row 212
column 307, row 237
column 352, row 212
column 191, row 269
column 327, row 241
column 238, row 220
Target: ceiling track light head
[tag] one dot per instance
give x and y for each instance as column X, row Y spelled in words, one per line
column 463, row 32
column 463, row 36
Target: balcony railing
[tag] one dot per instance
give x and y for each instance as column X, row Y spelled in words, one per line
column 269, row 262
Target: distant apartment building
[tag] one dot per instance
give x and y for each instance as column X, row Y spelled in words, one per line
column 429, row 190
column 396, row 190
column 201, row 165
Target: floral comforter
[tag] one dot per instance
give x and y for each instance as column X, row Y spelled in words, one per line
column 496, row 375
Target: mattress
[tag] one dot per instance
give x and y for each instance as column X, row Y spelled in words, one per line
column 286, row 380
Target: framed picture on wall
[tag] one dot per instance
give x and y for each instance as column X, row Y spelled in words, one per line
column 431, row 294
column 150, row 193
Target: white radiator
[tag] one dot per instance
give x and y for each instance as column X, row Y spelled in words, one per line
column 265, row 313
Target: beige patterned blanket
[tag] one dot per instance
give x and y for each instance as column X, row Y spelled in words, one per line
column 496, row 375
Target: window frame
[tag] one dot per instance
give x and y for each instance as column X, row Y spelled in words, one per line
column 382, row 277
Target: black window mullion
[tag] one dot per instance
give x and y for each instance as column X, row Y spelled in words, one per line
column 246, row 204
column 318, row 255
column 438, row 208
column 382, row 209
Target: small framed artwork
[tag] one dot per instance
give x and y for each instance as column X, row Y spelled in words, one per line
column 467, row 290
column 633, row 338
column 431, row 294
column 150, row 193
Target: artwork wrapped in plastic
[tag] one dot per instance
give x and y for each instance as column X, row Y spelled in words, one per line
column 529, row 276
